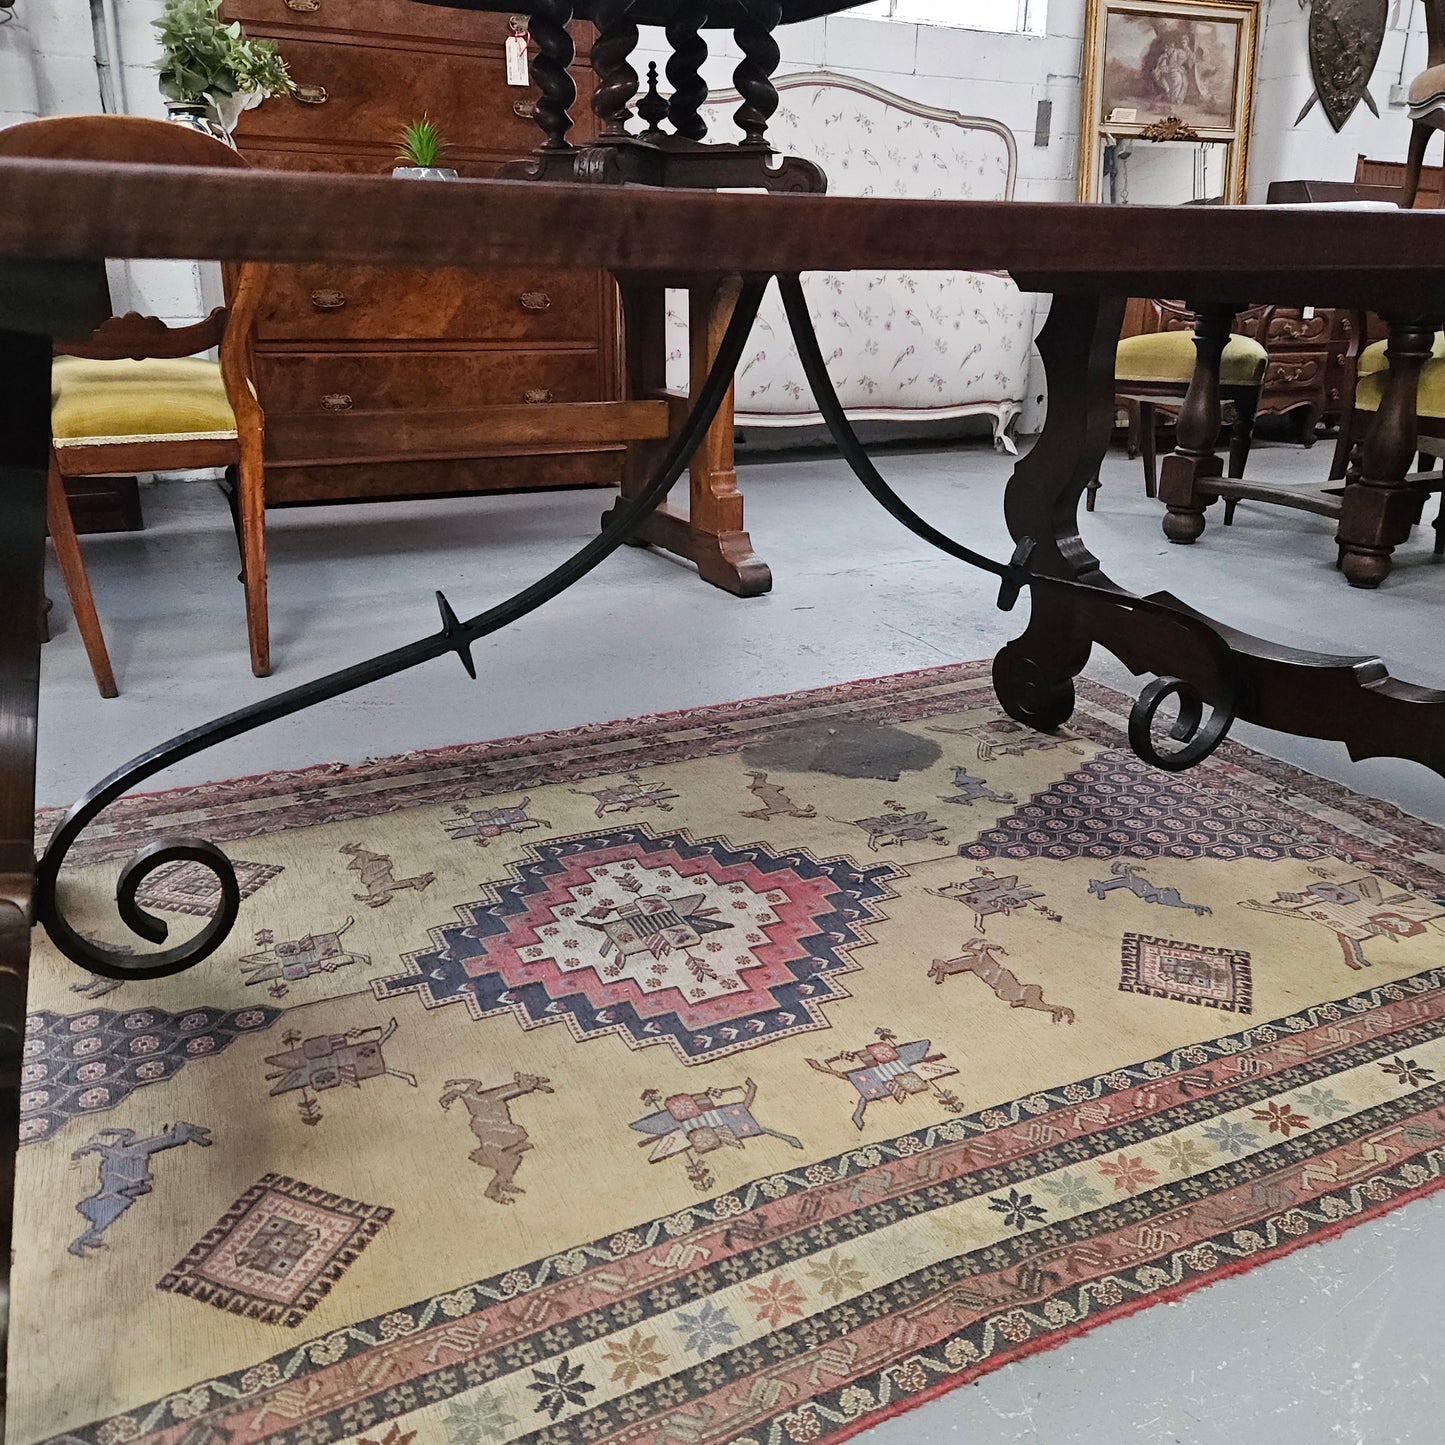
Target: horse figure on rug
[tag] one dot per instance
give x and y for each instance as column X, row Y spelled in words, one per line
column 978, row 958
column 501, row 1141
column 125, row 1175
column 1124, row 874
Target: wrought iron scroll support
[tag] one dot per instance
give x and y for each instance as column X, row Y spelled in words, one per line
column 1199, row 736
column 455, row 636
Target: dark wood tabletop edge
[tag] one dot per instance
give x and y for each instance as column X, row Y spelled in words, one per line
column 54, row 210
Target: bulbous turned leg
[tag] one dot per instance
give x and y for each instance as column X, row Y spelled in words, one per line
column 1195, row 457
column 617, row 81
column 754, row 75
column 1379, row 507
column 684, row 69
column 552, row 71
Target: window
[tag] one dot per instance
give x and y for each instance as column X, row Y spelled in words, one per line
column 1023, row 16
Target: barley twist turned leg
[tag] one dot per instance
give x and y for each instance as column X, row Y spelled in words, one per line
column 617, row 81
column 552, row 71
column 684, row 69
column 754, row 75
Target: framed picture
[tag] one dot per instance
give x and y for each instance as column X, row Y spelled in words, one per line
column 1175, row 74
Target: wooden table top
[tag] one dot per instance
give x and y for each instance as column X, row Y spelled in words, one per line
column 1390, row 261
column 722, row 14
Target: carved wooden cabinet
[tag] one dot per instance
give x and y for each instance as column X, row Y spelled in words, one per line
column 364, row 372
column 1308, row 365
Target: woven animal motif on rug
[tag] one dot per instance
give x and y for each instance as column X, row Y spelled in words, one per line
column 740, row 1075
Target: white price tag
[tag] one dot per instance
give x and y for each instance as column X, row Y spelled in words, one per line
column 517, row 72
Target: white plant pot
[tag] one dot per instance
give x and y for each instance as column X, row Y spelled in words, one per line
column 424, row 173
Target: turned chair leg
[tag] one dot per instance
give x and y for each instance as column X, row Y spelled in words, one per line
column 1419, row 141
column 77, row 584
column 1149, row 446
column 251, row 509
column 1241, row 434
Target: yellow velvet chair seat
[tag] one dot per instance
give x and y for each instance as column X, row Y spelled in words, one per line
column 94, row 402
column 1432, row 389
column 1372, row 358
column 1168, row 356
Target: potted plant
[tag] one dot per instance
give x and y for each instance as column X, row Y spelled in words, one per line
column 210, row 71
column 420, row 153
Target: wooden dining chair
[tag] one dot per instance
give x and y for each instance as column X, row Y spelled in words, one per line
column 136, row 396
column 1426, row 99
column 1153, row 368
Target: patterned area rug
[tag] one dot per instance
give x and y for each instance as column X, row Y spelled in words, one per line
column 742, row 1075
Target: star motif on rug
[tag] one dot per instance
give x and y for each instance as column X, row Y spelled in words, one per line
column 698, row 944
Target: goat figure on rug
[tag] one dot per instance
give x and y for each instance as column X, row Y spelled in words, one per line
column 501, row 1141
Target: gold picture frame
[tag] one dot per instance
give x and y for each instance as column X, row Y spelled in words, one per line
column 1168, row 73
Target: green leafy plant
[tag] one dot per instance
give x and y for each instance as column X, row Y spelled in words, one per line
column 421, row 145
column 203, row 58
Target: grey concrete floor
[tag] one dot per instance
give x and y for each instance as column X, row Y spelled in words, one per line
column 1336, row 1343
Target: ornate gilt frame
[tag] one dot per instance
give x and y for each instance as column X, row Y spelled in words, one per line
column 1092, row 121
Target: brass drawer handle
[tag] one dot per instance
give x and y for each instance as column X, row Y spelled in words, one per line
column 310, row 94
column 536, row 301
column 536, row 395
column 304, row 7
column 337, row 401
column 328, row 300
column 525, row 109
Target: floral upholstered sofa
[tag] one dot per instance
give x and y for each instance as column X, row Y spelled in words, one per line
column 902, row 346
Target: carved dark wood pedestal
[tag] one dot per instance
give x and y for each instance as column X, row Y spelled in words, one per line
column 672, row 151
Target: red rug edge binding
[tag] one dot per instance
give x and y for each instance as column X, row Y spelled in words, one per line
column 1334, row 1230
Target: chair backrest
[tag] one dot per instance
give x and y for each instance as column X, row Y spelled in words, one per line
column 1435, row 31
column 129, row 139
column 1146, row 315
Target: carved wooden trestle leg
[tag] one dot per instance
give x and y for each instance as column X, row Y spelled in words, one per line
column 1380, row 507
column 1195, row 461
column 712, row 533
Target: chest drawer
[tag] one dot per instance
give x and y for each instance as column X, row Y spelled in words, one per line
column 366, row 93
column 334, row 382
column 366, row 303
column 384, row 19
column 1296, row 371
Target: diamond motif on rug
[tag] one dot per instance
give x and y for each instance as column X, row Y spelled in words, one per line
column 192, row 888
column 658, row 939
column 1115, row 806
column 276, row 1252
column 1186, row 972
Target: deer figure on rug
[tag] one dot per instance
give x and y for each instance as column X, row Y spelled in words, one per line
column 775, row 801
column 125, row 1175
column 501, row 1141
column 377, row 878
column 978, row 958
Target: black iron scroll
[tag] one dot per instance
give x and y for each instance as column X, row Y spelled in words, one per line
column 1199, row 736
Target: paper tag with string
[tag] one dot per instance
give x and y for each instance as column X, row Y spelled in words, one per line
column 517, row 70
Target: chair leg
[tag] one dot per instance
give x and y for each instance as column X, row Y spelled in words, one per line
column 1231, row 505
column 77, row 584
column 1241, row 434
column 1344, row 445
column 1440, row 529
column 1148, row 445
column 1095, row 486
column 1419, row 141
column 251, row 502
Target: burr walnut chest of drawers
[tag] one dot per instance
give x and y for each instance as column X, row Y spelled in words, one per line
column 379, row 383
